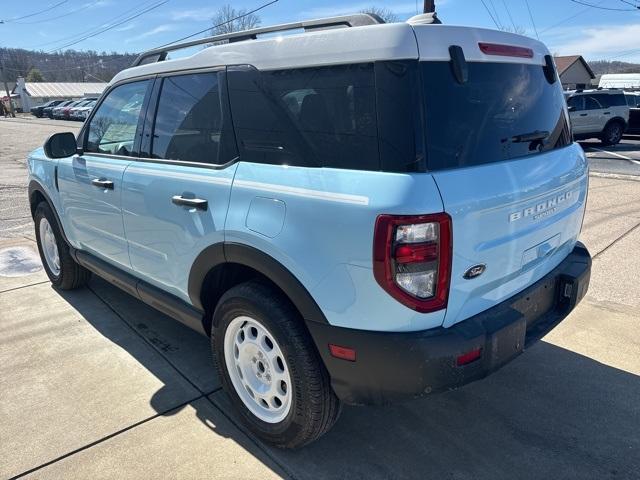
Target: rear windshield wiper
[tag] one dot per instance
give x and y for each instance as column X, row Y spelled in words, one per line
column 530, row 137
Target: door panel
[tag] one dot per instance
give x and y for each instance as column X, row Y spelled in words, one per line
column 91, row 184
column 175, row 202
column 165, row 238
column 94, row 213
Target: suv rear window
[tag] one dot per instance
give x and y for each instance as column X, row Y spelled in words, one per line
column 491, row 116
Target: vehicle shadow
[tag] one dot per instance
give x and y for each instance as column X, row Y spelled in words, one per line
column 551, row 413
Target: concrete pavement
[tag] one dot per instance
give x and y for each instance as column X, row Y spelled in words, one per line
column 95, row 384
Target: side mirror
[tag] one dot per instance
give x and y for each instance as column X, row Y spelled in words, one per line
column 572, row 108
column 60, row 145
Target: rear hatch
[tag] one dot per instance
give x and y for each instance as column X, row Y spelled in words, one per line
column 499, row 147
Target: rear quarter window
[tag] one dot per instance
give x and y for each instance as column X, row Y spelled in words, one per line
column 322, row 116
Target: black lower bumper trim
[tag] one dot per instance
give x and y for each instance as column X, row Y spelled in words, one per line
column 394, row 366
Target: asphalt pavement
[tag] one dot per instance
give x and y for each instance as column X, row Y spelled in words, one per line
column 620, row 159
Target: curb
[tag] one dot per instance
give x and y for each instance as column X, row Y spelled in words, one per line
column 617, row 176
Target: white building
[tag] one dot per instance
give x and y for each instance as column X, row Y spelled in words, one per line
column 628, row 81
column 35, row 93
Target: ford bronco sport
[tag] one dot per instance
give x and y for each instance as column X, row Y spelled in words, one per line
column 354, row 215
column 601, row 113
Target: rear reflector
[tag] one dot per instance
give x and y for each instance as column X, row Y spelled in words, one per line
column 344, row 353
column 416, row 253
column 505, row 50
column 468, row 357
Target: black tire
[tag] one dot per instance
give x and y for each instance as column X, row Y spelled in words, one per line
column 315, row 407
column 72, row 275
column 612, row 133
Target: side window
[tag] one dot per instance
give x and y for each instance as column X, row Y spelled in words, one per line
column 592, row 103
column 320, row 116
column 617, row 100
column 113, row 127
column 577, row 102
column 190, row 122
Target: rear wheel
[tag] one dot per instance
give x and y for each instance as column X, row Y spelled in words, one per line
column 61, row 268
column 269, row 367
column 612, row 133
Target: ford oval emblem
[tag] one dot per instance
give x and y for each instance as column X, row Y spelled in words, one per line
column 475, row 271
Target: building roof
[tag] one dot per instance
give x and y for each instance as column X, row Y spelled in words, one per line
column 63, row 89
column 563, row 64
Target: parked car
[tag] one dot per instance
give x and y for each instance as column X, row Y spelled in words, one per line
column 633, row 101
column 48, row 111
column 84, row 112
column 58, row 111
column 74, row 112
column 601, row 113
column 65, row 112
column 354, row 215
column 38, row 110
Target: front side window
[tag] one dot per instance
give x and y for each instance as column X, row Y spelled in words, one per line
column 576, row 102
column 190, row 124
column 113, row 128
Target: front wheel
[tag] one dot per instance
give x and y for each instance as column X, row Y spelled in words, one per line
column 61, row 268
column 612, row 133
column 270, row 368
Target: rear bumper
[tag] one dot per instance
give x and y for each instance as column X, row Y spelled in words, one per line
column 394, row 366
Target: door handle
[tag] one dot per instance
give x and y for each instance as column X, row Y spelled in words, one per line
column 102, row 183
column 607, row 113
column 583, row 114
column 199, row 203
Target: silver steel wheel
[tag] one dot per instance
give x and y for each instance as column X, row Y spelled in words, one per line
column 49, row 246
column 258, row 369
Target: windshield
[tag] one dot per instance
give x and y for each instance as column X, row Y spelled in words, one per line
column 503, row 111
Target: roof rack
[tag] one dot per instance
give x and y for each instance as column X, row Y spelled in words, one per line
column 356, row 20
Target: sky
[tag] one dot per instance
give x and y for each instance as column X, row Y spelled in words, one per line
column 611, row 32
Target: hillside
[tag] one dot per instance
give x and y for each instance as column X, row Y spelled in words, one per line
column 604, row 66
column 70, row 66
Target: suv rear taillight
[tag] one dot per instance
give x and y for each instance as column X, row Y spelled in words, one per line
column 412, row 259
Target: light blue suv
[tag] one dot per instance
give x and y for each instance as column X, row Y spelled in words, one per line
column 354, row 215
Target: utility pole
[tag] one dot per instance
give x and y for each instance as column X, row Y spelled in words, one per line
column 429, row 6
column 6, row 87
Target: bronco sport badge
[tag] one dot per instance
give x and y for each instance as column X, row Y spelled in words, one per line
column 543, row 209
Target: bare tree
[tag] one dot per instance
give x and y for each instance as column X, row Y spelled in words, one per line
column 227, row 19
column 386, row 14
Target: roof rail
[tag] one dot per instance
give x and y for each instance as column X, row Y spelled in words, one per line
column 356, row 20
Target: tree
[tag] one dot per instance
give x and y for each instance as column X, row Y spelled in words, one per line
column 35, row 75
column 387, row 15
column 227, row 19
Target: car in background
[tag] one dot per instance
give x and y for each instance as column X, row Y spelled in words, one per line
column 38, row 111
column 601, row 113
column 74, row 112
column 56, row 113
column 633, row 101
column 85, row 111
column 48, row 111
column 64, row 113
